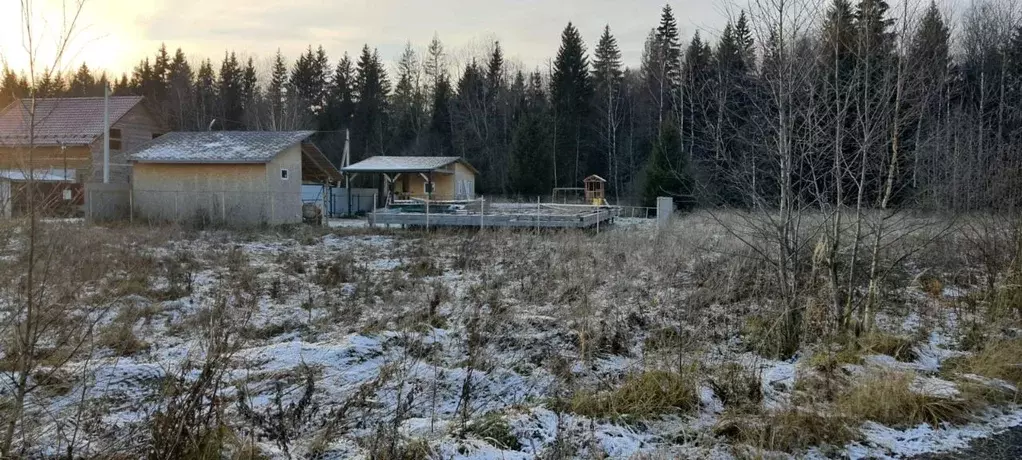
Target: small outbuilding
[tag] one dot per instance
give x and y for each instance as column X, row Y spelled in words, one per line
column 61, row 148
column 238, row 177
column 405, row 178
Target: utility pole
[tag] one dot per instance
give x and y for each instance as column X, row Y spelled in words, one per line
column 106, row 133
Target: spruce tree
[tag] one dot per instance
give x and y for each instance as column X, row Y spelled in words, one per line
column 662, row 65
column 571, row 94
column 12, row 87
column 276, row 92
column 122, row 87
column 51, row 84
column 440, row 133
column 667, row 172
column 372, row 89
column 249, row 95
column 530, row 160
column 180, row 106
column 608, row 79
column 206, row 97
column 407, row 107
column 309, row 82
column 340, row 105
column 83, row 83
column 230, row 90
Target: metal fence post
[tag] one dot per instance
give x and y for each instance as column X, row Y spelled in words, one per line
column 427, row 213
column 482, row 211
column 131, row 205
column 372, row 221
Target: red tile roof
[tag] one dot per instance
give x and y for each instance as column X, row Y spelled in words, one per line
column 68, row 121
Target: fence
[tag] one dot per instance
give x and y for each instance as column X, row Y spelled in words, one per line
column 106, row 202
column 513, row 212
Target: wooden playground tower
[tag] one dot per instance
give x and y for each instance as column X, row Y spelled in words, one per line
column 594, row 188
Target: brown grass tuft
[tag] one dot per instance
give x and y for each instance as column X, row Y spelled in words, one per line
column 886, row 397
column 644, row 395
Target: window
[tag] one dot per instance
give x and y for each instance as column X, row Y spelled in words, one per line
column 115, row 139
column 283, row 174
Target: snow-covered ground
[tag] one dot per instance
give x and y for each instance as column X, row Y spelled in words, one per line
column 430, row 337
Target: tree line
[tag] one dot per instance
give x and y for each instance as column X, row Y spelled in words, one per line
column 889, row 107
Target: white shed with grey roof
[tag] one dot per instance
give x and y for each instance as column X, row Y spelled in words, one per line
column 235, row 177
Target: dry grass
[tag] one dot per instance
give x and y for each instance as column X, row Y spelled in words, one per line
column 644, row 395
column 998, row 359
column 886, row 397
column 788, row 430
column 737, row 387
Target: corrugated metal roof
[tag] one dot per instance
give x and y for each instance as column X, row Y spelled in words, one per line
column 66, row 120
column 400, row 164
column 218, row 146
column 39, row 175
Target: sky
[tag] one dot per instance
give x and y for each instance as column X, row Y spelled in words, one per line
column 115, row 34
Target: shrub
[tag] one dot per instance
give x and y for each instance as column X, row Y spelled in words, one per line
column 493, row 429
column 335, row 271
column 644, row 395
column 887, row 397
column 121, row 339
column 736, row 386
column 772, row 338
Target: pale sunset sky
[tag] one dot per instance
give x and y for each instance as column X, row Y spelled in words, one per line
column 115, row 34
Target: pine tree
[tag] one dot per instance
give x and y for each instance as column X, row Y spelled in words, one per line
column 571, row 95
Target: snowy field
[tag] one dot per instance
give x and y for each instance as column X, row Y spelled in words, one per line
column 351, row 342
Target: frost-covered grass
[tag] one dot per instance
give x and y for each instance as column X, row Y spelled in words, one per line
column 351, row 342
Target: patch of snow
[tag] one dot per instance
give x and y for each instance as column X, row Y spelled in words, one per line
column 953, row 292
column 348, row 223
column 934, row 386
column 777, row 381
column 888, row 443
